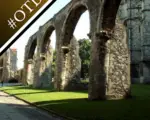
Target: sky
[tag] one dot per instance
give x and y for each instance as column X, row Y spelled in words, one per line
column 81, row 30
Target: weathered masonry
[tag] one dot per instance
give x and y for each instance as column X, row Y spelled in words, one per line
column 136, row 15
column 4, row 71
column 8, row 65
column 110, row 61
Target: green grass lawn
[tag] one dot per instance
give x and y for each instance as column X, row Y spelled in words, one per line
column 76, row 105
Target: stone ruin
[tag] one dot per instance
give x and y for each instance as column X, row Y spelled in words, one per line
column 8, row 67
column 110, row 59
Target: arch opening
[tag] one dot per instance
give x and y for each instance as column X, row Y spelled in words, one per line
column 32, row 50
column 72, row 48
column 48, row 52
column 71, row 23
column 31, row 62
column 110, row 10
column 47, row 39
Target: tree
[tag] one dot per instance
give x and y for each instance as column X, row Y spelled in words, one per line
column 84, row 52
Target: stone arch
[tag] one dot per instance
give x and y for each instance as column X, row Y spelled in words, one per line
column 30, row 59
column 108, row 13
column 46, row 55
column 32, row 49
column 45, row 40
column 71, row 21
column 71, row 66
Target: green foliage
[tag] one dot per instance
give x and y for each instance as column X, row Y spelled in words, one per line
column 84, row 52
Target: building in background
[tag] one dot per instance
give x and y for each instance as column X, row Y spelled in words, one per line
column 8, row 64
column 13, row 60
column 136, row 16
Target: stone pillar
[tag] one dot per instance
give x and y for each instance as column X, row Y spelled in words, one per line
column 59, row 60
column 45, row 68
column 110, row 65
column 97, row 80
column 6, row 67
column 37, row 62
column 35, row 70
column 1, row 68
column 146, row 40
column 25, row 68
column 72, row 67
column 65, row 67
column 30, row 72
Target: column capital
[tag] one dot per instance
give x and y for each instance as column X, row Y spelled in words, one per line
column 103, row 34
column 30, row 61
column 89, row 35
column 42, row 56
column 65, row 49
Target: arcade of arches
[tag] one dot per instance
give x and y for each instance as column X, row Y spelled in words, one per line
column 110, row 58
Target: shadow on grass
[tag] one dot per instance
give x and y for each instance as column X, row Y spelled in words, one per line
column 130, row 109
column 135, row 108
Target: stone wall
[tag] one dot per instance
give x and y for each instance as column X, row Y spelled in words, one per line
column 6, row 63
column 118, row 72
column 135, row 13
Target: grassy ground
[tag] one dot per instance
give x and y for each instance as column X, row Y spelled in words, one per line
column 76, row 105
